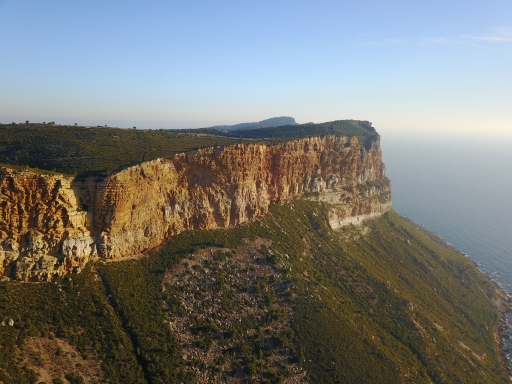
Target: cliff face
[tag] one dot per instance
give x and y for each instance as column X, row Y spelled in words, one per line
column 41, row 224
column 51, row 225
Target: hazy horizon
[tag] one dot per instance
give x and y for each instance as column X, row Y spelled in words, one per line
column 437, row 67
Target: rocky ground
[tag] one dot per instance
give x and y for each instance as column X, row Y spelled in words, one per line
column 231, row 312
column 53, row 358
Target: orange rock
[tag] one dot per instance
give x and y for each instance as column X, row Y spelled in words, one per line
column 52, row 225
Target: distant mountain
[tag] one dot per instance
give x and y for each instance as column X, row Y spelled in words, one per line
column 272, row 122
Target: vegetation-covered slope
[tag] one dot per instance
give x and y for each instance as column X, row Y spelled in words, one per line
column 72, row 149
column 360, row 129
column 283, row 298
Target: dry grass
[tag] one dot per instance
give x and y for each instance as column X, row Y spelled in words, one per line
column 53, row 358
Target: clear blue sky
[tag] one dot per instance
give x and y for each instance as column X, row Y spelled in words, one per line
column 408, row 66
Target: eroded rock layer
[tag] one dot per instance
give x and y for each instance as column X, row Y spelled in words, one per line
column 52, row 225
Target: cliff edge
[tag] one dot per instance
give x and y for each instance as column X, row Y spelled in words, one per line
column 54, row 224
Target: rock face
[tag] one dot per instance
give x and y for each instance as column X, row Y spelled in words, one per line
column 43, row 230
column 52, row 225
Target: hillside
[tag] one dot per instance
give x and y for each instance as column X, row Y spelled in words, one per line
column 360, row 129
column 55, row 224
column 76, row 150
column 283, row 299
column 72, row 150
column 274, row 258
column 363, row 130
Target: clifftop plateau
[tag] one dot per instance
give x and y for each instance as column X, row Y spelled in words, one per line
column 86, row 150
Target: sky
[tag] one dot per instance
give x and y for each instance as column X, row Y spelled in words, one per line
column 411, row 67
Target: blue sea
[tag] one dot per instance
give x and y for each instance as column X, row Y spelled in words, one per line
column 462, row 191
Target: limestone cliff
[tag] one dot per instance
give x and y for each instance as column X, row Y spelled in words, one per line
column 52, row 225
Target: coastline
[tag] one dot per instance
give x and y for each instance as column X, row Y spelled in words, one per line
column 503, row 304
column 502, row 326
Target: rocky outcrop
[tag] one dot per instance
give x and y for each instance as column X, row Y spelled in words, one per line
column 43, row 228
column 373, row 199
column 52, row 225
